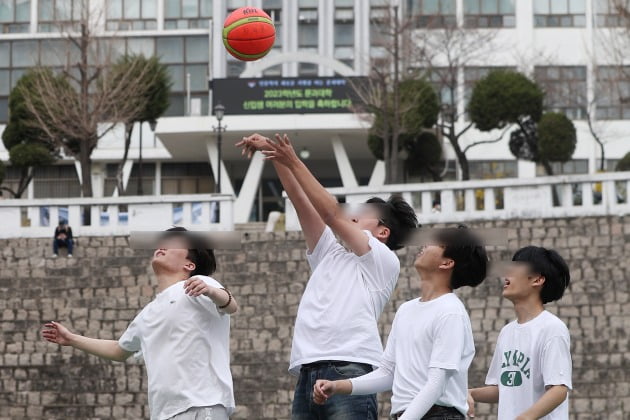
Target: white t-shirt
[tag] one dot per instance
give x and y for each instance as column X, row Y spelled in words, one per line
column 185, row 343
column 529, row 357
column 433, row 334
column 338, row 313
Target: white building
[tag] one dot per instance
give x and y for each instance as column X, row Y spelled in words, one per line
column 560, row 42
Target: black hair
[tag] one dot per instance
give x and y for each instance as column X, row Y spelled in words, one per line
column 198, row 251
column 467, row 251
column 549, row 264
column 399, row 217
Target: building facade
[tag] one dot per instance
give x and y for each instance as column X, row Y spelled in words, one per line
column 564, row 44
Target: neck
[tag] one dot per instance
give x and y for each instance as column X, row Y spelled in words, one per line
column 166, row 280
column 433, row 286
column 528, row 309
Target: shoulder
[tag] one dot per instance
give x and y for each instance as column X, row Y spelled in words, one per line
column 210, row 281
column 381, row 249
column 551, row 325
column 452, row 305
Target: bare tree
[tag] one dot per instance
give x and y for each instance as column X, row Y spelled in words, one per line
column 80, row 104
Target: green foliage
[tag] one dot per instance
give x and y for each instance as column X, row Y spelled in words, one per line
column 504, row 97
column 556, row 138
column 624, row 163
column 27, row 144
column 153, row 75
column 424, row 151
column 419, row 110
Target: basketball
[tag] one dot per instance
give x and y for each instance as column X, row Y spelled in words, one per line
column 248, row 33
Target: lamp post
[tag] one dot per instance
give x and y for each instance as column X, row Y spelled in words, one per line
column 219, row 111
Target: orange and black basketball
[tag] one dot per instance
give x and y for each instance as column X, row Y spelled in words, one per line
column 248, row 33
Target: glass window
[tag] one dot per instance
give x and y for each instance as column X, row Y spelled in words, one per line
column 5, row 82
column 24, row 53
column 114, row 9
column 15, row 16
column 172, row 8
column 52, row 53
column 559, row 13
column 489, row 13
column 144, row 46
column 189, row 8
column 7, row 11
column 607, row 14
column 5, row 54
column 131, row 14
column 170, row 49
column 565, row 89
column 198, row 77
column 432, row 13
column 612, row 95
column 197, row 49
column 188, row 14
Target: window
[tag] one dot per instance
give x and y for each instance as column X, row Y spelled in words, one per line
column 274, row 10
column 15, row 16
column 565, row 89
column 559, row 13
column 481, row 169
column 612, row 91
column 380, row 16
column 444, row 81
column 187, row 178
column 307, row 28
column 607, row 13
column 432, row 13
column 489, row 13
column 187, row 14
column 182, row 56
column 56, row 181
column 59, row 15
column 344, row 32
column 125, row 15
column 572, row 167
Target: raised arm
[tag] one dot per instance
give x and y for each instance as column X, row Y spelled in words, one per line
column 325, row 204
column 312, row 224
column 56, row 333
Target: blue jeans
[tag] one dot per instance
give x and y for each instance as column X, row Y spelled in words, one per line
column 62, row 243
column 338, row 407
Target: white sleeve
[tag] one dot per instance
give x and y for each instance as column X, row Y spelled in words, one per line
column 449, row 335
column 427, row 397
column 130, row 340
column 324, row 245
column 380, row 380
column 556, row 362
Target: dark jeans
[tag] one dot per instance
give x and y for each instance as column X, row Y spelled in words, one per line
column 61, row 243
column 438, row 413
column 338, row 407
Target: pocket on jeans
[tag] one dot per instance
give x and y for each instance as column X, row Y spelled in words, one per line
column 351, row 370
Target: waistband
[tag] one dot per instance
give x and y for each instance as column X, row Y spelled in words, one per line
column 436, row 410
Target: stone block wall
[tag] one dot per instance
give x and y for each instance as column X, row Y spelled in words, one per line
column 98, row 293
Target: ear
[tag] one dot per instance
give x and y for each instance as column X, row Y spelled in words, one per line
column 190, row 266
column 447, row 264
column 539, row 281
column 383, row 233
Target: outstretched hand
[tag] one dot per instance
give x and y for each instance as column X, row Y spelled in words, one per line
column 56, row 333
column 252, row 144
column 281, row 151
column 323, row 390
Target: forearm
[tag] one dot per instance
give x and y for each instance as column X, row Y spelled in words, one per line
column 552, row 398
column 106, row 349
column 376, row 381
column 324, row 203
column 312, row 224
column 486, row 394
column 222, row 297
column 428, row 396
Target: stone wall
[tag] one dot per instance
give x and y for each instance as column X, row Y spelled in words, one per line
column 99, row 291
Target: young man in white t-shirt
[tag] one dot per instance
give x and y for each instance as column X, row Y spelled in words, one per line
column 183, row 334
column 430, row 346
column 336, row 333
column 530, row 373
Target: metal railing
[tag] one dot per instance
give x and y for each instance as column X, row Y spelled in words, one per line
column 115, row 215
column 507, row 198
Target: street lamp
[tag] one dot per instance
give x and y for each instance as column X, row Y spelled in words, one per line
column 219, row 111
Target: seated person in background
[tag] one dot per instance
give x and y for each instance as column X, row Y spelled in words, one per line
column 62, row 238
